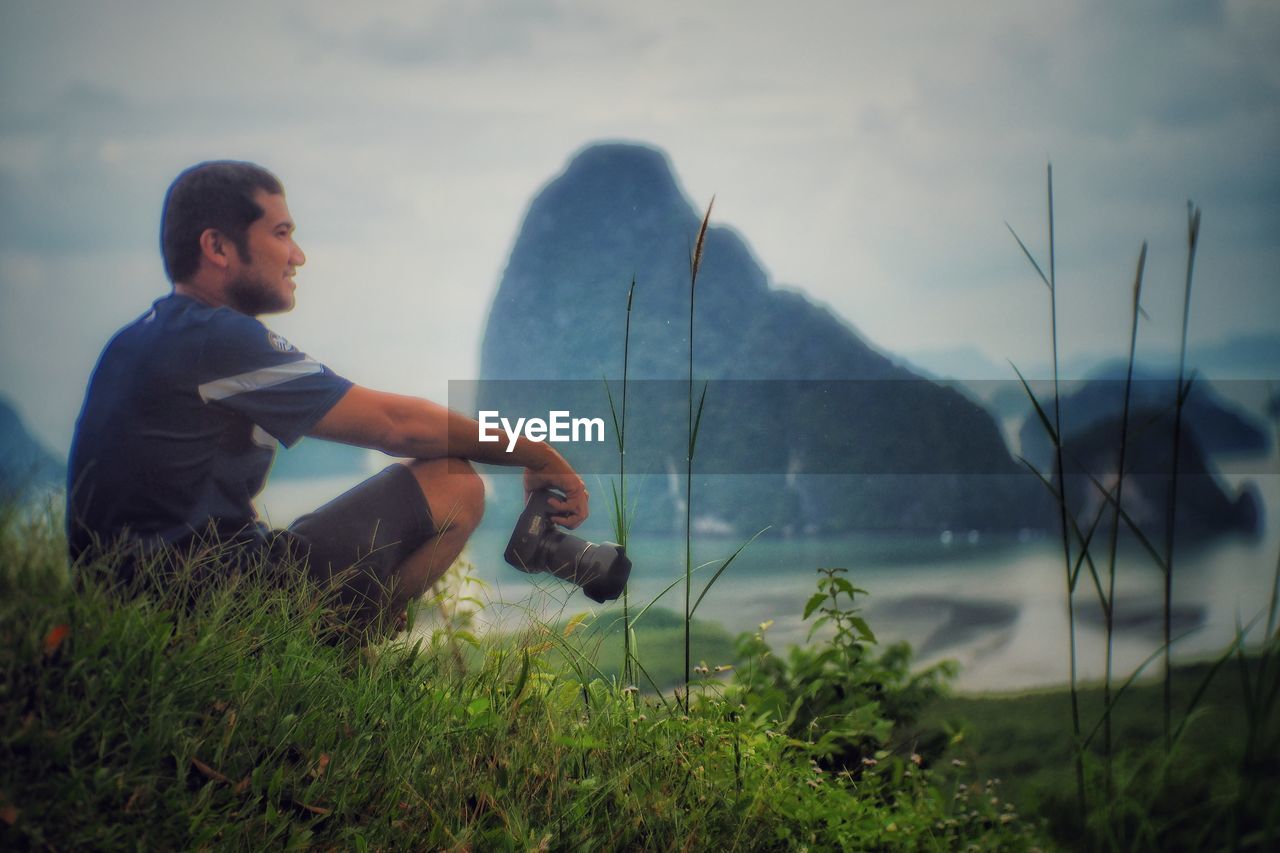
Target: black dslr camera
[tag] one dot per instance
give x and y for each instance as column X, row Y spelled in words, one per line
column 538, row 546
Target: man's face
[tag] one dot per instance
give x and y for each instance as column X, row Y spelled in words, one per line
column 262, row 283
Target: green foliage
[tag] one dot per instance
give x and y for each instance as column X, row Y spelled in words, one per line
column 1214, row 786
column 233, row 720
column 844, row 702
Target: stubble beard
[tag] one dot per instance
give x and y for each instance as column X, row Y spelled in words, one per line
column 253, row 296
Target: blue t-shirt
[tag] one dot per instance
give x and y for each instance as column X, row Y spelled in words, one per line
column 180, row 424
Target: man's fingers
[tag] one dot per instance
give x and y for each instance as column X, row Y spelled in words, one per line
column 570, row 512
column 580, row 500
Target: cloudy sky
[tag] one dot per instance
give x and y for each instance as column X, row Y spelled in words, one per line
column 870, row 153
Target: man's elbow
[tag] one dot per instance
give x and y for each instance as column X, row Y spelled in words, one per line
column 411, row 430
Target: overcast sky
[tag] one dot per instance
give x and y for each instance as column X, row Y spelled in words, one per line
column 870, row 153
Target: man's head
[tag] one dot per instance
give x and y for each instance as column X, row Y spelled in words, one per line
column 226, row 231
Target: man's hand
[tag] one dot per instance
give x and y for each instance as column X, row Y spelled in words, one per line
column 558, row 475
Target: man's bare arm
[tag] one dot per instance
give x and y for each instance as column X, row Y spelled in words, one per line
column 420, row 429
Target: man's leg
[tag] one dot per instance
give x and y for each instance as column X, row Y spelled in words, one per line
column 402, row 528
column 455, row 494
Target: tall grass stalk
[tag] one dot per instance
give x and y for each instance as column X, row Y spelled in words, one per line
column 621, row 520
column 695, row 262
column 1062, row 486
column 1193, row 239
column 1115, row 527
column 1055, row 434
column 1273, row 631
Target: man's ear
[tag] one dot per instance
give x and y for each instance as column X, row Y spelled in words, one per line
column 215, row 248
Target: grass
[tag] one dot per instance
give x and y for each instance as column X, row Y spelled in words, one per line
column 1057, row 487
column 1181, row 391
column 621, row 511
column 1138, row 782
column 658, row 644
column 233, row 720
column 1191, row 801
column 695, row 264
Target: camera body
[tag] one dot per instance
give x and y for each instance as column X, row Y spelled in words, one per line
column 537, row 545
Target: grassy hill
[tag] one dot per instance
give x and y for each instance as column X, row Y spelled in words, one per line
column 237, row 718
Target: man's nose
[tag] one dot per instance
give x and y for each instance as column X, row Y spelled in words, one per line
column 296, row 257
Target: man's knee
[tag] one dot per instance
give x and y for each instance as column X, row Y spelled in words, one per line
column 454, row 491
column 470, row 493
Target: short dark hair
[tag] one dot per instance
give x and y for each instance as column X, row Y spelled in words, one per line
column 214, row 194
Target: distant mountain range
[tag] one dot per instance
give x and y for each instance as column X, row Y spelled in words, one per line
column 25, row 464
column 1246, row 357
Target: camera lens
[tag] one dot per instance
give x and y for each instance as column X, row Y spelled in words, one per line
column 601, row 570
column 538, row 546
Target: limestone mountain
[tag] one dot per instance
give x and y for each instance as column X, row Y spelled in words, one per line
column 1215, row 432
column 795, row 391
column 616, row 213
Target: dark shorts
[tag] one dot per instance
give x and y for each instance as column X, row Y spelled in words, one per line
column 356, row 542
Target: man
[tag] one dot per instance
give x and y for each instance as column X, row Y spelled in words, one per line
column 186, row 404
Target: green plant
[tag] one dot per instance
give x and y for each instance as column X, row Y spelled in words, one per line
column 838, row 699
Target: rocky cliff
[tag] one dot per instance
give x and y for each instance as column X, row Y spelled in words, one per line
column 807, row 426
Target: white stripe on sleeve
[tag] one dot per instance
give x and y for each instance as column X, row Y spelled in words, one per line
column 256, row 380
column 263, row 439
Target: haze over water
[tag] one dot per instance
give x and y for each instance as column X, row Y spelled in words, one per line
column 996, row 605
